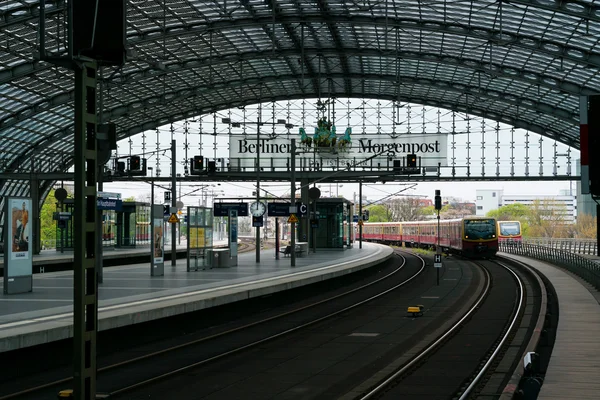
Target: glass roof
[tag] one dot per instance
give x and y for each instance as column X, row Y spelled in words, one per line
column 523, row 62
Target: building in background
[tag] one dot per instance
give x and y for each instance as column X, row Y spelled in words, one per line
column 488, row 200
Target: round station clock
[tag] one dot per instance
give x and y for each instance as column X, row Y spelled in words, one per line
column 258, row 209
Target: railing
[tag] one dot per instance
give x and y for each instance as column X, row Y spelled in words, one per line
column 579, row 246
column 581, row 266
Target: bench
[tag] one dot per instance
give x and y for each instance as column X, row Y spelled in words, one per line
column 288, row 250
column 415, row 310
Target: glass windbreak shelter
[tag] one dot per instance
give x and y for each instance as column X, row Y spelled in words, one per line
column 129, row 227
column 133, row 225
column 331, row 227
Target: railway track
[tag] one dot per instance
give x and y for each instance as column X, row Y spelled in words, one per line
column 455, row 344
column 466, row 355
column 124, row 376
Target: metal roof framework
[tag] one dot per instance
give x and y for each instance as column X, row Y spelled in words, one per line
column 521, row 62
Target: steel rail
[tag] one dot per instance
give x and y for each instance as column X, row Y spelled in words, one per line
column 508, row 332
column 381, row 387
column 233, row 330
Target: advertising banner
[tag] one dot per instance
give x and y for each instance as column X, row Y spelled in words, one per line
column 17, row 249
column 20, row 232
column 196, row 238
column 372, row 148
column 158, row 232
column 157, row 242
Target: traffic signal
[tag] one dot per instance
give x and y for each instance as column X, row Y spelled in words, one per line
column 212, row 167
column 365, row 215
column 197, row 165
column 411, row 160
column 135, row 163
column 438, row 200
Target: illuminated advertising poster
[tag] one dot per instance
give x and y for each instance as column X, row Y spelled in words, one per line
column 158, row 251
column 20, row 234
column 18, row 276
column 196, row 238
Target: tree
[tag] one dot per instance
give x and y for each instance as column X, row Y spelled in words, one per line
column 406, row 209
column 547, row 219
column 513, row 212
column 47, row 223
column 379, row 213
column 585, row 228
column 510, row 212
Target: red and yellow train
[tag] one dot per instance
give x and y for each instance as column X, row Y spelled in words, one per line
column 510, row 232
column 469, row 236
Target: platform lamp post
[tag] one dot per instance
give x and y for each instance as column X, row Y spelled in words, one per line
column 151, row 185
column 438, row 251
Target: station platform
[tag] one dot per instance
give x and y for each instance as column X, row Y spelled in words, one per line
column 129, row 295
column 55, row 260
column 573, row 371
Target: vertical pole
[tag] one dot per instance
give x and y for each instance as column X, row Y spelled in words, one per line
column 597, row 229
column 258, row 149
column 276, row 238
column 173, row 204
column 85, row 293
column 99, row 260
column 438, row 207
column 293, row 204
column 360, row 215
column 35, row 214
column 438, row 250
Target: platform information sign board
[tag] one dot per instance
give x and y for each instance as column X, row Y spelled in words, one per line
column 437, row 260
column 222, row 209
column 283, row 209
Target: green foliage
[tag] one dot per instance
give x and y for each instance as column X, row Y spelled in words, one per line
column 514, row 212
column 379, row 213
column 47, row 224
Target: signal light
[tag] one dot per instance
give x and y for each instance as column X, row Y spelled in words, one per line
column 135, row 163
column 197, row 165
column 411, row 160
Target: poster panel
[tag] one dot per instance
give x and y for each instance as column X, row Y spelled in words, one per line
column 17, row 249
column 20, row 232
column 158, row 232
column 196, row 238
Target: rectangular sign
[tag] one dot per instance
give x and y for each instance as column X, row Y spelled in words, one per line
column 437, row 260
column 17, row 246
column 233, row 232
column 109, row 195
column 157, row 242
column 283, row 209
column 109, row 204
column 158, row 232
column 222, row 209
column 363, row 149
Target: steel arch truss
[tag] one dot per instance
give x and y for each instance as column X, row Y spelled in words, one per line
column 524, row 63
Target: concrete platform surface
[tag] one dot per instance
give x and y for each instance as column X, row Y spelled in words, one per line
column 129, row 295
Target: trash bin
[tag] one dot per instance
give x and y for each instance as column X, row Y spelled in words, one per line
column 219, row 258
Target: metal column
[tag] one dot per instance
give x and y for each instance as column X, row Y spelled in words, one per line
column 293, row 204
column 85, row 319
column 173, row 204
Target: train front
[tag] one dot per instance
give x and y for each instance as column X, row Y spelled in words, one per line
column 509, row 233
column 480, row 237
